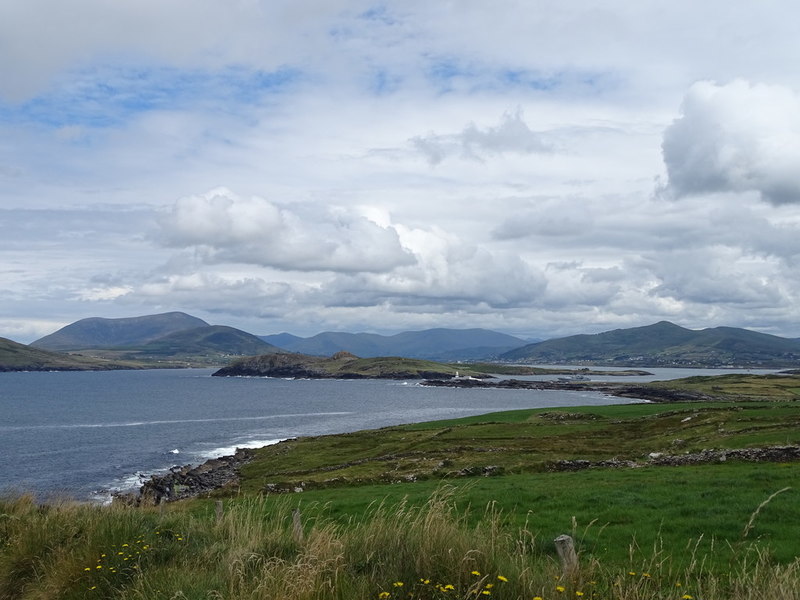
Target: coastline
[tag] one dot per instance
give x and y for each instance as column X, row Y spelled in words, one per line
column 619, row 390
column 188, row 481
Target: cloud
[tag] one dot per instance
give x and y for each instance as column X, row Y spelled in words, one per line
column 512, row 135
column 223, row 227
column 737, row 137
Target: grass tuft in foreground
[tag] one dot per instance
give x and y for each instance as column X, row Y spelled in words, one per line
column 255, row 551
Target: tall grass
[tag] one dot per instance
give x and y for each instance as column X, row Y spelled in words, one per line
column 253, row 552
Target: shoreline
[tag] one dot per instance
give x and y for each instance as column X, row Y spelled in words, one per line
column 618, row 390
column 195, row 480
column 187, row 481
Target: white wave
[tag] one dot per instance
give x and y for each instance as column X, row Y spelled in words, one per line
column 228, row 450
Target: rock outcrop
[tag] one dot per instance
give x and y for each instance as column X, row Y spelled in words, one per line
column 189, row 481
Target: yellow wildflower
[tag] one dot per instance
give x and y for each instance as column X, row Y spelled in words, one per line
column 476, row 573
column 686, row 597
column 501, row 578
column 486, row 592
column 560, row 589
column 538, row 598
column 398, row 584
column 383, row 595
column 579, row 593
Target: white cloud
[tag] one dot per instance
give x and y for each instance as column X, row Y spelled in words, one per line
column 325, row 117
column 512, row 135
column 226, row 228
column 737, row 137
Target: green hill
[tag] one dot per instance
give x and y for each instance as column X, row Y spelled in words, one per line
column 341, row 365
column 211, row 339
column 19, row 357
column 96, row 332
column 666, row 344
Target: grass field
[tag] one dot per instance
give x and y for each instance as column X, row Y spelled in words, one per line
column 410, row 512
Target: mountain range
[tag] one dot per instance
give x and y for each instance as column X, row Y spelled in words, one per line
column 665, row 344
column 178, row 339
column 432, row 344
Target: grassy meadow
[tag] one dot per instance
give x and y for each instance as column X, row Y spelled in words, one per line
column 467, row 508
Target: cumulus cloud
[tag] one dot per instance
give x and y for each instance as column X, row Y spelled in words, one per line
column 223, row 227
column 737, row 137
column 511, row 135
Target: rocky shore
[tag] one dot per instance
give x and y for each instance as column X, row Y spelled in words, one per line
column 189, row 481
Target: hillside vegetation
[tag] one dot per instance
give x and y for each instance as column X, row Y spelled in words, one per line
column 341, row 365
column 665, row 344
column 19, row 357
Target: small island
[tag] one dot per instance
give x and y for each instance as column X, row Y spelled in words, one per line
column 342, row 365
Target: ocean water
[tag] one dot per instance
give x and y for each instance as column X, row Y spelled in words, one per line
column 85, row 434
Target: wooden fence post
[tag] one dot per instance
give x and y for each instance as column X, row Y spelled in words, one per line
column 218, row 510
column 565, row 546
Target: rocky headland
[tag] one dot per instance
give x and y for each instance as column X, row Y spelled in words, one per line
column 341, row 365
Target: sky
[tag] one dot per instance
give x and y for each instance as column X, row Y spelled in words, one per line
column 536, row 167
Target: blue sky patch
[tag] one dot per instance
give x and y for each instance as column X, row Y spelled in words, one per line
column 107, row 97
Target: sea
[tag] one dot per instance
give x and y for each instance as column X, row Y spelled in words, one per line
column 87, row 435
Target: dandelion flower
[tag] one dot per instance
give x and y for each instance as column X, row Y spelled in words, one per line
column 476, row 573
column 503, row 579
column 383, row 595
column 579, row 593
column 398, row 584
column 538, row 598
column 88, row 569
column 449, row 587
column 486, row 592
column 631, row 572
column 686, row 597
column 560, row 589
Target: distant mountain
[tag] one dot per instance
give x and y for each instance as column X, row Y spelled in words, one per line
column 19, row 357
column 207, row 340
column 665, row 344
column 441, row 344
column 96, row 332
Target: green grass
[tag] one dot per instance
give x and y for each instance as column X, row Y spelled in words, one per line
column 516, row 442
column 740, row 386
column 721, row 530
column 638, row 534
